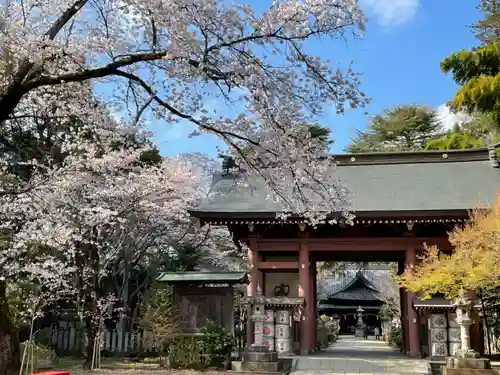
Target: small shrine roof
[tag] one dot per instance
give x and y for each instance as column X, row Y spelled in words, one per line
column 437, row 303
column 358, row 289
column 196, row 277
column 398, row 184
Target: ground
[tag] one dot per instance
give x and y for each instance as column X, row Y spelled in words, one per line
column 352, row 355
column 347, row 356
column 79, row 371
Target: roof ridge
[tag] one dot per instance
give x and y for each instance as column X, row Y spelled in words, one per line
column 415, row 157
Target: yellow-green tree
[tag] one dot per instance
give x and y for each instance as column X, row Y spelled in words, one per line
column 474, row 263
column 477, row 71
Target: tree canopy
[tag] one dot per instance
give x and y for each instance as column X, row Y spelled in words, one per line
column 477, row 70
column 474, row 263
column 403, row 128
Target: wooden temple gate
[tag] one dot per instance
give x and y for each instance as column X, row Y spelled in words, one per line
column 402, row 202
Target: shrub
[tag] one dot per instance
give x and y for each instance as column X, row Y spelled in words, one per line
column 187, row 352
column 395, row 337
column 217, row 343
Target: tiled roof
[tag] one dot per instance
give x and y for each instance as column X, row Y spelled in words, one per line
column 203, row 277
column 389, row 183
column 438, row 303
column 358, row 288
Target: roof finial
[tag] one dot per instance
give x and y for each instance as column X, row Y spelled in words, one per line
column 258, row 291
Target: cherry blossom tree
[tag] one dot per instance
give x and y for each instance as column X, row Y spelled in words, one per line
column 86, row 213
column 165, row 59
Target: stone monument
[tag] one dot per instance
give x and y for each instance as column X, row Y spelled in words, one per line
column 360, row 332
column 466, row 360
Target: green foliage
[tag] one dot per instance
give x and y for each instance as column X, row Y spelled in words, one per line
column 477, row 72
column 326, row 331
column 323, row 335
column 321, row 133
column 490, row 305
column 403, row 128
column 455, row 140
column 216, row 342
column 187, row 352
column 389, row 311
column 160, row 316
column 316, row 131
column 395, row 337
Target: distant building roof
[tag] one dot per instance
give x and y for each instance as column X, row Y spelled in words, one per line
column 203, row 277
column 358, row 289
column 426, row 183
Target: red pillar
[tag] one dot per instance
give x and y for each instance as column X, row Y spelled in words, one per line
column 255, row 278
column 315, row 302
column 411, row 313
column 304, row 291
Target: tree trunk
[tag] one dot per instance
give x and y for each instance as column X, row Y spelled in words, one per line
column 10, row 356
column 8, row 104
column 89, row 350
column 485, row 317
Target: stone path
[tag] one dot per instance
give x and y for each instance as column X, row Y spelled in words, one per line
column 350, row 356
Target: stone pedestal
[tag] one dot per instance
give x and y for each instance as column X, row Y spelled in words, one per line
column 360, row 332
column 260, row 359
column 468, row 366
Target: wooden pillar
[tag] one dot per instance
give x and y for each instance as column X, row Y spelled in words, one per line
column 255, row 278
column 305, row 291
column 313, row 326
column 411, row 313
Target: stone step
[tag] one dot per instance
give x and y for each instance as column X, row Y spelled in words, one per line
column 252, row 366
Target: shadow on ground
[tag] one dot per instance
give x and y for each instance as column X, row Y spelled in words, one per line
column 351, row 355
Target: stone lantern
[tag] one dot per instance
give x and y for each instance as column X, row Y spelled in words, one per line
column 359, row 324
column 257, row 357
column 464, row 308
column 466, row 360
column 258, row 317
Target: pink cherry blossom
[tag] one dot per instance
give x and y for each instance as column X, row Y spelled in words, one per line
column 165, row 58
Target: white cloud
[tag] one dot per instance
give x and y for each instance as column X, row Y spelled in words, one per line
column 449, row 119
column 390, row 12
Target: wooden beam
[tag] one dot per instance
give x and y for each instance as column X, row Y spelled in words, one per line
column 278, row 265
column 352, row 244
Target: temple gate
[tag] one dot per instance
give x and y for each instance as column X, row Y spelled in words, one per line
column 402, row 202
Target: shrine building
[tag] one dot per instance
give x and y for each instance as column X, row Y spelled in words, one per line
column 401, row 201
column 343, row 301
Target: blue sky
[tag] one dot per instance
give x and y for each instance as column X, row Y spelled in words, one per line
column 399, row 59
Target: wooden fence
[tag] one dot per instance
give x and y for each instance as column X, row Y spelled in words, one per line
column 70, row 340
